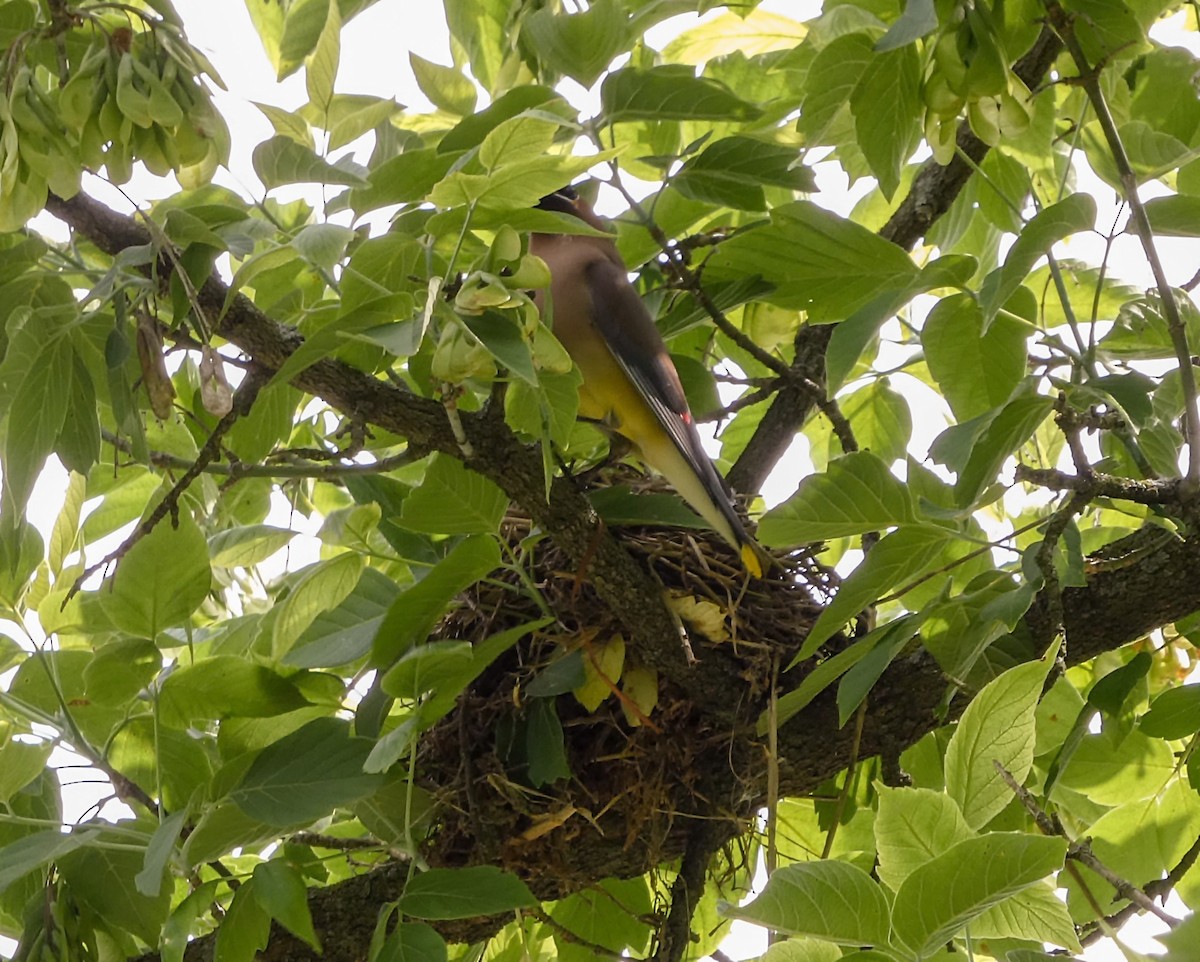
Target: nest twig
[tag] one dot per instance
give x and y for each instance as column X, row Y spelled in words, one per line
column 637, row 785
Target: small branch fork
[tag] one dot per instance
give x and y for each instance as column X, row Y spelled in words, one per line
column 1089, row 80
column 1080, row 850
column 243, row 399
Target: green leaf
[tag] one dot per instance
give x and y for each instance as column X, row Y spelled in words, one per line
column 161, row 580
column 1069, row 216
column 832, row 78
column 501, row 334
column 20, row 764
column 246, row 546
column 1112, row 771
column 818, row 261
column 283, row 896
column 613, row 913
column 857, row 683
column 881, row 420
column 1143, row 838
column 940, row 897
column 401, row 180
column 749, row 33
column 835, row 901
column 149, row 881
column 1177, row 215
column 225, row 686
column 37, row 410
column 900, row 557
column 321, row 66
column 852, row 336
column 177, row 930
column 280, row 160
column 517, row 138
column 544, row 744
column 322, row 586
column 1035, row 913
column 102, row 880
column 975, row 371
column 886, row 104
column 349, row 116
column 996, row 727
column 245, row 929
column 580, row 45
column 1174, row 714
column 288, row 123
column 515, row 186
column 463, row 893
column 855, row 494
column 78, row 445
column 33, row 851
column 427, row 667
column 732, row 171
column 446, row 87
column 1008, row 430
column 452, row 499
column 669, row 93
column 481, row 27
column 618, row 505
column 471, row 131
column 831, row 669
column 304, row 776
column 918, row 20
column 453, row 674
column 913, row 827
column 342, row 635
column 414, row 613
column 322, row 245
column 412, row 942
column 805, row 950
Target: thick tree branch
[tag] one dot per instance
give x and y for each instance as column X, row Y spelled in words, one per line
column 498, row 455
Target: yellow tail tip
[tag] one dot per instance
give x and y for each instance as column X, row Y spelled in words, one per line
column 752, row 559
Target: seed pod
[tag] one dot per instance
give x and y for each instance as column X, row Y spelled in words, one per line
column 215, row 393
column 154, row 367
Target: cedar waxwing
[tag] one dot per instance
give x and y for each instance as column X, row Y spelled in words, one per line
column 629, row 381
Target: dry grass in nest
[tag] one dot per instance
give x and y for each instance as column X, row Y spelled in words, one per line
column 636, row 767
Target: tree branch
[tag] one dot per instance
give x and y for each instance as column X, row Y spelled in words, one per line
column 933, row 190
column 499, row 456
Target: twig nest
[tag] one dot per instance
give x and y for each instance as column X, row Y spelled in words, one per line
column 570, row 734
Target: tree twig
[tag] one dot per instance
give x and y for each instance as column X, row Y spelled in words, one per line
column 1103, row 485
column 1089, row 80
column 243, row 398
column 1080, row 850
column 240, row 469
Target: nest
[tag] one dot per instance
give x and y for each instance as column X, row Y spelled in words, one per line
column 646, row 759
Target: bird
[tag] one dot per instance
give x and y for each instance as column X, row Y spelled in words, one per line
column 630, row 383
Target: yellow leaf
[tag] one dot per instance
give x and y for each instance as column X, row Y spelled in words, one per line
column 705, row 617
column 640, row 686
column 602, row 664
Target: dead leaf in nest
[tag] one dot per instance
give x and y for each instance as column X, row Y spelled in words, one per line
column 545, row 824
column 602, row 664
column 640, row 686
column 706, row 617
